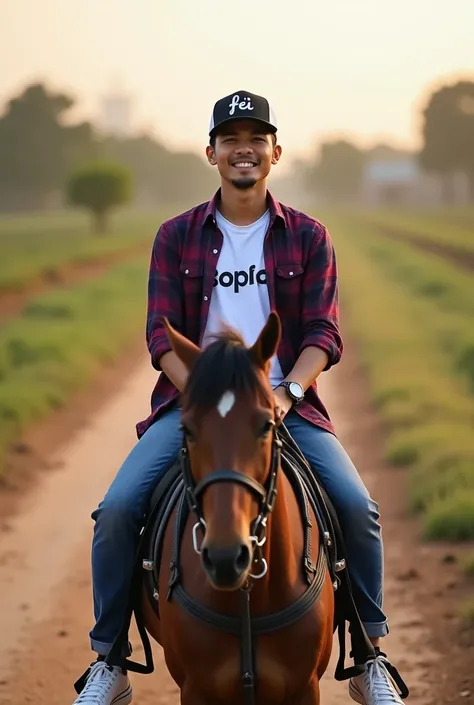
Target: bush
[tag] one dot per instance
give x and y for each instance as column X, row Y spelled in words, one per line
column 99, row 187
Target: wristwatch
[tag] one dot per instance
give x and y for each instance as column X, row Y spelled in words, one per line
column 294, row 390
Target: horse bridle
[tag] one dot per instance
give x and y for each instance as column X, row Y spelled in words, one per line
column 246, row 627
column 266, row 495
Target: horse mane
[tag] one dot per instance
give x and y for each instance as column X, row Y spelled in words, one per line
column 225, row 364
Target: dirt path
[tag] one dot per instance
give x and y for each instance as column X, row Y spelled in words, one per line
column 46, row 607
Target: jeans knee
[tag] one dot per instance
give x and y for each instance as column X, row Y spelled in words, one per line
column 115, row 513
column 359, row 512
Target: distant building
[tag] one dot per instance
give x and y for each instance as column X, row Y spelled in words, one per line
column 395, row 178
column 116, row 114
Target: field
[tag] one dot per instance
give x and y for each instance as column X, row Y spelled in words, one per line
column 411, row 312
column 449, row 233
column 39, row 247
column 407, row 302
column 59, row 339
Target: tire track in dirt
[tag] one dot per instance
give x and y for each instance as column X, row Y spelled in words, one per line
column 46, row 606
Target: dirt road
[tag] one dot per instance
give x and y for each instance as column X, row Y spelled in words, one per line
column 46, row 606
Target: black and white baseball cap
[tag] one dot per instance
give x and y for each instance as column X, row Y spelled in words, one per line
column 242, row 105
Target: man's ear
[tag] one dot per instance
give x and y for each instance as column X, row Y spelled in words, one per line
column 277, row 150
column 211, row 155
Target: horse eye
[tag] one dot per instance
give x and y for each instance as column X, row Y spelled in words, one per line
column 266, row 428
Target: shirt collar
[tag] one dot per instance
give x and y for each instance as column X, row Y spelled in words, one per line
column 273, row 205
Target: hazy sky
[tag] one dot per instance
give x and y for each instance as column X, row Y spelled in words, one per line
column 358, row 66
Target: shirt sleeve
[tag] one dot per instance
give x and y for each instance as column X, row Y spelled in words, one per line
column 320, row 310
column 165, row 295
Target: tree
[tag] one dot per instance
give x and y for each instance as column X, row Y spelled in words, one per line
column 339, row 170
column 37, row 149
column 448, row 131
column 99, row 187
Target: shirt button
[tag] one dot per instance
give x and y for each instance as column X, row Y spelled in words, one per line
column 291, row 274
column 215, row 252
column 186, row 271
column 205, row 298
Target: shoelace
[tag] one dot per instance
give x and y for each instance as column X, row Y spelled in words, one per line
column 380, row 684
column 99, row 682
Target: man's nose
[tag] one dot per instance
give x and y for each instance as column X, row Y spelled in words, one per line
column 244, row 149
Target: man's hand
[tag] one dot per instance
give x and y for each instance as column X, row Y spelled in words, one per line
column 283, row 404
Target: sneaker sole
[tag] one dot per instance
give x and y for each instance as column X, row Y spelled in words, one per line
column 355, row 694
column 123, row 698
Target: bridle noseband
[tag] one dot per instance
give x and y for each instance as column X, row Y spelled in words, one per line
column 265, row 494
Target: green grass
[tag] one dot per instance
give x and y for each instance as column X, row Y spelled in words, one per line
column 37, row 246
column 442, row 297
column 62, row 339
column 467, row 612
column 456, row 233
column 447, row 216
column 468, row 566
column 427, row 408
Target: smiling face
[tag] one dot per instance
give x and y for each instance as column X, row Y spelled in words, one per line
column 243, row 152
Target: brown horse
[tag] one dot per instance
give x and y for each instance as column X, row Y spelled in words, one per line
column 243, row 544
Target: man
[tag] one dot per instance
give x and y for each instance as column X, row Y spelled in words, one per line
column 230, row 261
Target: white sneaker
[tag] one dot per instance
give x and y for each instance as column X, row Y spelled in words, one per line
column 105, row 685
column 377, row 685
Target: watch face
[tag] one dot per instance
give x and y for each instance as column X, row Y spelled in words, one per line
column 296, row 390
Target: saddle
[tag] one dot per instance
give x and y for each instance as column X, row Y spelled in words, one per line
column 171, row 494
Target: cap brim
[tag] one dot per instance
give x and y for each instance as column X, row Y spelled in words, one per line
column 268, row 126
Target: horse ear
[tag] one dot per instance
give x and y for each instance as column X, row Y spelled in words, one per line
column 184, row 348
column 267, row 342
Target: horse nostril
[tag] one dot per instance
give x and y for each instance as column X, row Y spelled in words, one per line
column 242, row 560
column 206, row 558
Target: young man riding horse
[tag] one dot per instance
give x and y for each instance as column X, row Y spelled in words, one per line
column 232, row 261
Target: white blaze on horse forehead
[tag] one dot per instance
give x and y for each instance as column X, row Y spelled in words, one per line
column 226, row 403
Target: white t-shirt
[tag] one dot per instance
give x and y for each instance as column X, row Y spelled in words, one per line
column 240, row 295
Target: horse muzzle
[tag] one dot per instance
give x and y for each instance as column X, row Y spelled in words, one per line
column 226, row 566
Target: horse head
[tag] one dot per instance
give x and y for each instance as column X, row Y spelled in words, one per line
column 230, row 451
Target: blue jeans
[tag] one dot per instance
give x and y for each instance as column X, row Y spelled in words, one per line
column 119, row 518
column 357, row 513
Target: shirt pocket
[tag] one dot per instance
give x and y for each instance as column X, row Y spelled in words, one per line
column 288, row 283
column 289, row 274
column 192, row 274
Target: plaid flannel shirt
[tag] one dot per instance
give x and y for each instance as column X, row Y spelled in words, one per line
column 302, row 283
